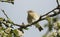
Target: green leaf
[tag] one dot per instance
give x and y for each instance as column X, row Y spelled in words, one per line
column 58, row 24
column 18, row 33
column 2, row 19
column 15, row 32
column 55, row 19
column 9, row 21
column 9, row 35
column 3, row 34
column 2, row 29
column 50, row 22
column 48, row 18
column 44, row 35
column 45, row 25
column 26, row 28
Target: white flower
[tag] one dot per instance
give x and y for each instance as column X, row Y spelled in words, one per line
column 8, row 30
column 57, row 10
column 2, row 33
column 20, row 33
column 57, row 25
column 59, row 31
column 52, row 34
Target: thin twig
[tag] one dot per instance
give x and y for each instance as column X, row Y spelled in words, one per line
column 57, row 2
column 5, row 14
column 48, row 12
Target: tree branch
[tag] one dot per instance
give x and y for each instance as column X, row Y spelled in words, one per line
column 4, row 13
column 57, row 2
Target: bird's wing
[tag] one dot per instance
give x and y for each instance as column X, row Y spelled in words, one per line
column 36, row 17
column 29, row 19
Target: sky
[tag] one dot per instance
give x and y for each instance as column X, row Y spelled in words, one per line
column 18, row 13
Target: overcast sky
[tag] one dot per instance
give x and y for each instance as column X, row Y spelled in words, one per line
column 18, row 13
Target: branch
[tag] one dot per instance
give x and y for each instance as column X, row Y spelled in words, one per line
column 49, row 12
column 8, row 1
column 4, row 13
column 57, row 2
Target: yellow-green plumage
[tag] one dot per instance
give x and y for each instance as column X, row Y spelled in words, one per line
column 32, row 16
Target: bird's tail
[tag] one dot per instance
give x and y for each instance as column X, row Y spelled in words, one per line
column 39, row 27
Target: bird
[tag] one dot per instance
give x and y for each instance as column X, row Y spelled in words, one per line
column 33, row 16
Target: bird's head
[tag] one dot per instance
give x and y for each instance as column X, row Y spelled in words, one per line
column 30, row 11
